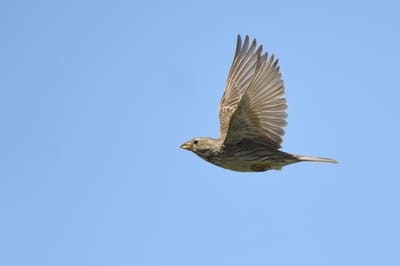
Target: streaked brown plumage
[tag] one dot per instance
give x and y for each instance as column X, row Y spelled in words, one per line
column 252, row 116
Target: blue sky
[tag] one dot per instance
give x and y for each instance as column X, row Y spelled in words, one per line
column 97, row 96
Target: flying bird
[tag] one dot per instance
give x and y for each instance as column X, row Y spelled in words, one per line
column 252, row 116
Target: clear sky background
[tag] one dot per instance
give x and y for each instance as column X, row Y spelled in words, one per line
column 97, row 96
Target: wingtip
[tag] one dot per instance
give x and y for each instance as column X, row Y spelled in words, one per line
column 238, row 44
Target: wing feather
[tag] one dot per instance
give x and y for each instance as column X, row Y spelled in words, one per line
column 260, row 114
column 240, row 75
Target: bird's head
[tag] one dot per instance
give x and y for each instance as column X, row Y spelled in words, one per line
column 201, row 146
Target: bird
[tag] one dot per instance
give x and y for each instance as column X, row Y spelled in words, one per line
column 252, row 116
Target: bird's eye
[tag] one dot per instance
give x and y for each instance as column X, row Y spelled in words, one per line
column 195, row 142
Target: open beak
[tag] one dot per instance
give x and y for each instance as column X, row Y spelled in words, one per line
column 186, row 146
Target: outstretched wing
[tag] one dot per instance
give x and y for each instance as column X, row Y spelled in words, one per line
column 240, row 75
column 261, row 112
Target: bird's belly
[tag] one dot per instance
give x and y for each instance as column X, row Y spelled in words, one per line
column 257, row 159
column 247, row 166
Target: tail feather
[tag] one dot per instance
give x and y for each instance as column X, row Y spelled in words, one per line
column 315, row 159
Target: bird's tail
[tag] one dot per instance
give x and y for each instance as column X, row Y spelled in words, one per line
column 315, row 159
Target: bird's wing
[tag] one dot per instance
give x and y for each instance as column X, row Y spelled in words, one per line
column 261, row 112
column 240, row 75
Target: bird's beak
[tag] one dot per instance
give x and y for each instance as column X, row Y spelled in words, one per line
column 187, row 146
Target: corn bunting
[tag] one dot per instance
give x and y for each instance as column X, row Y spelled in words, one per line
column 252, row 116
